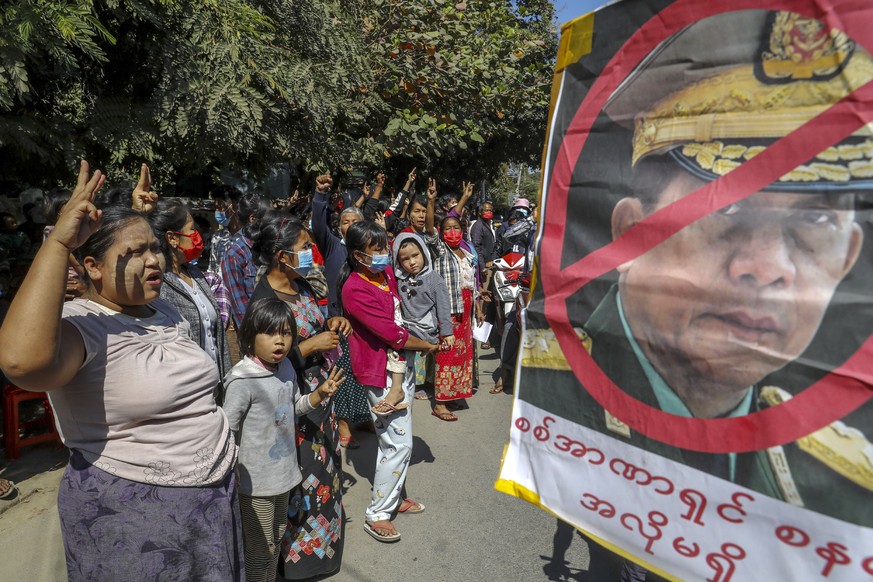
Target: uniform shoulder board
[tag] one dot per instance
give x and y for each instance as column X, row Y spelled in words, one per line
column 844, row 449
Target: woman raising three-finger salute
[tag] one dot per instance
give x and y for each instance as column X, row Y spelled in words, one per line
column 132, row 395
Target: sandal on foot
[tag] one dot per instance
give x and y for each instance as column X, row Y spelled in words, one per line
column 446, row 416
column 384, row 408
column 7, row 488
column 496, row 389
column 348, row 442
column 421, row 395
column 410, row 506
column 382, row 533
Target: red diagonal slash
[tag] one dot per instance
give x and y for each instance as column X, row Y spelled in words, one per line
column 834, row 396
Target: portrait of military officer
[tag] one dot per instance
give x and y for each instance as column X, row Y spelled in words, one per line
column 694, row 325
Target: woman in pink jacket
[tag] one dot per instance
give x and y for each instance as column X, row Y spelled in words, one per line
column 370, row 301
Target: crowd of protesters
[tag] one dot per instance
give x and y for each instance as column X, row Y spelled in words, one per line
column 217, row 374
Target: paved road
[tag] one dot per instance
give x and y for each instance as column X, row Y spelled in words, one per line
column 469, row 532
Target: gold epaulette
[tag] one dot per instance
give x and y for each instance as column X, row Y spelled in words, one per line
column 540, row 349
column 844, row 449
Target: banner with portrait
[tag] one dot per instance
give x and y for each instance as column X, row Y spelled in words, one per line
column 694, row 385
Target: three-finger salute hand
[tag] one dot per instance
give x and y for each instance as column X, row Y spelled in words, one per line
column 80, row 218
column 143, row 198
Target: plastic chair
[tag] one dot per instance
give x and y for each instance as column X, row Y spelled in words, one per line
column 13, row 425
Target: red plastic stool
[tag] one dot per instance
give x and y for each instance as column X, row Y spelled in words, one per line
column 12, row 425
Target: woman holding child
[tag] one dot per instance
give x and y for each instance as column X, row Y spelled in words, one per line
column 370, row 299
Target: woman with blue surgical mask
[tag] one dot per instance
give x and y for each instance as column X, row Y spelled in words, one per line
column 284, row 246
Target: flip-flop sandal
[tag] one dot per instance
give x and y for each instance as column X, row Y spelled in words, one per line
column 410, row 506
column 384, row 408
column 421, row 395
column 9, row 490
column 446, row 416
column 496, row 389
column 385, row 539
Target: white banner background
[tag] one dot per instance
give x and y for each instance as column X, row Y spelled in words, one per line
column 616, row 493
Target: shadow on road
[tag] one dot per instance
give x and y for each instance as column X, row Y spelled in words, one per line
column 602, row 566
column 363, row 460
column 34, row 461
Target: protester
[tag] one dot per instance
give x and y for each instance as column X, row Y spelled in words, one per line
column 350, row 402
column 369, row 298
column 284, row 247
column 418, row 211
column 185, row 286
column 237, row 267
column 226, row 200
column 263, row 397
column 132, row 396
column 456, row 263
column 482, row 236
column 483, row 239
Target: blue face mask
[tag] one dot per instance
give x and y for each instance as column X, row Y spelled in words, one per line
column 378, row 262
column 304, row 261
column 221, row 218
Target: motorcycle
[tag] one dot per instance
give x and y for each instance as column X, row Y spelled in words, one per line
column 511, row 288
column 510, row 280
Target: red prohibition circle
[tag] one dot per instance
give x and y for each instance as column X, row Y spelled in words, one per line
column 831, row 398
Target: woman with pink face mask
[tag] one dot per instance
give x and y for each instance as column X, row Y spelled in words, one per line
column 457, row 264
column 185, row 287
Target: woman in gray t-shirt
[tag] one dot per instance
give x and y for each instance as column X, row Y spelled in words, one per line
column 132, row 395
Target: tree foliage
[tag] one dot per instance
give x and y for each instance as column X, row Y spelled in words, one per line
column 189, row 85
column 460, row 85
column 183, row 84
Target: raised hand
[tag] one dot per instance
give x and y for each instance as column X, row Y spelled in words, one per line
column 323, row 183
column 80, row 218
column 380, row 179
column 410, row 180
column 143, row 199
column 379, row 218
column 467, row 189
column 431, row 189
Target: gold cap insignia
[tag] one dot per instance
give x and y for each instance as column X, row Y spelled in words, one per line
column 801, row 48
column 728, row 112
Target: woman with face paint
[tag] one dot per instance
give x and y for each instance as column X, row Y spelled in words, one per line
column 151, row 455
column 283, row 245
column 185, row 286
